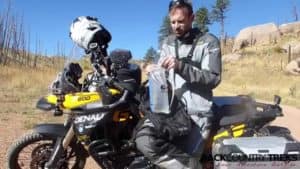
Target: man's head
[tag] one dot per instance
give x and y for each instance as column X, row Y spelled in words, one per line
column 181, row 16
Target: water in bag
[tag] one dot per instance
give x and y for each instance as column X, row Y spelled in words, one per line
column 158, row 91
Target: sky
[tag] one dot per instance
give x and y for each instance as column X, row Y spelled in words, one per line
column 134, row 24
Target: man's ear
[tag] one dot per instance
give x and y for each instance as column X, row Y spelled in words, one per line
column 192, row 17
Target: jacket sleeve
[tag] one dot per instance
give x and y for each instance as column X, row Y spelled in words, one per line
column 208, row 74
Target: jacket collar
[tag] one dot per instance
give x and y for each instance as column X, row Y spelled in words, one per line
column 189, row 37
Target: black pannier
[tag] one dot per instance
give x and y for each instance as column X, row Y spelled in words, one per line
column 127, row 74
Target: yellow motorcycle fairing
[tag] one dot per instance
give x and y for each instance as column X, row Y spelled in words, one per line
column 234, row 131
column 74, row 100
column 121, row 116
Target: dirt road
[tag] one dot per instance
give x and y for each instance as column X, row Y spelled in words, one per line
column 12, row 126
column 290, row 120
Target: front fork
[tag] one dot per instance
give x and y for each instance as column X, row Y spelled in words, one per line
column 61, row 145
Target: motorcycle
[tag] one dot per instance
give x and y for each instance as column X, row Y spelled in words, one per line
column 101, row 124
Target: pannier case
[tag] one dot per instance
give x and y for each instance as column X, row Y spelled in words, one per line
column 266, row 152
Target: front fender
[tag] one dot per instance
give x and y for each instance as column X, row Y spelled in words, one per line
column 52, row 130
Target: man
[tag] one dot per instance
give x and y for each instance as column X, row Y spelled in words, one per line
column 193, row 60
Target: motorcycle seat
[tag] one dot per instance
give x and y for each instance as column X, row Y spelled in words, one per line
column 233, row 109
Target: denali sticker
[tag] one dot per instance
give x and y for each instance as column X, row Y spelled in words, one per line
column 88, row 118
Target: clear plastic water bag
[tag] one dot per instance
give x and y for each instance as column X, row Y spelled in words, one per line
column 158, row 91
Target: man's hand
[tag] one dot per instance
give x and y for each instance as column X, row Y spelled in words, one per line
column 170, row 63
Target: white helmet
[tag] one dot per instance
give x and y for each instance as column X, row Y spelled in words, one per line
column 86, row 29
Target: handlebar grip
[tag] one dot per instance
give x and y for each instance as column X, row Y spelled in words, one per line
column 117, row 86
column 119, row 102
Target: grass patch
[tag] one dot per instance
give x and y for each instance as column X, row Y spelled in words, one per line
column 22, row 86
column 29, row 123
column 261, row 74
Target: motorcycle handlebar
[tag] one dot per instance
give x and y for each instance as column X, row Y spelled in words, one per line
column 121, row 101
column 114, row 105
column 117, row 86
column 113, row 83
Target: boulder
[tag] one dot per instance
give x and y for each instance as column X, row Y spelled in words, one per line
column 257, row 35
column 293, row 67
column 288, row 28
column 231, row 57
column 295, row 48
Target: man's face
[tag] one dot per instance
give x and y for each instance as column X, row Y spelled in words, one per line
column 181, row 21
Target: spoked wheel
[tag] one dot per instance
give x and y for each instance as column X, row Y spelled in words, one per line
column 34, row 150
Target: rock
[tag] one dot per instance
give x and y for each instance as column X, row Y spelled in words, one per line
column 293, row 27
column 232, row 57
column 254, row 35
column 293, row 67
column 295, row 48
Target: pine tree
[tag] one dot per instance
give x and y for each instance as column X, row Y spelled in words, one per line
column 165, row 30
column 202, row 19
column 218, row 14
column 150, row 55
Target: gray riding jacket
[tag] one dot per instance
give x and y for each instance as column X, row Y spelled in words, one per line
column 195, row 78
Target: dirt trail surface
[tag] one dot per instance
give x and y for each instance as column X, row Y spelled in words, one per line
column 13, row 125
column 290, row 120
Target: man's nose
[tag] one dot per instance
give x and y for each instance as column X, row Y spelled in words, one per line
column 176, row 25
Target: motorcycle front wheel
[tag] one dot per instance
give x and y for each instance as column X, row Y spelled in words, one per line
column 34, row 150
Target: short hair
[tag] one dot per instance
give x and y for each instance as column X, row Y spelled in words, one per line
column 181, row 4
